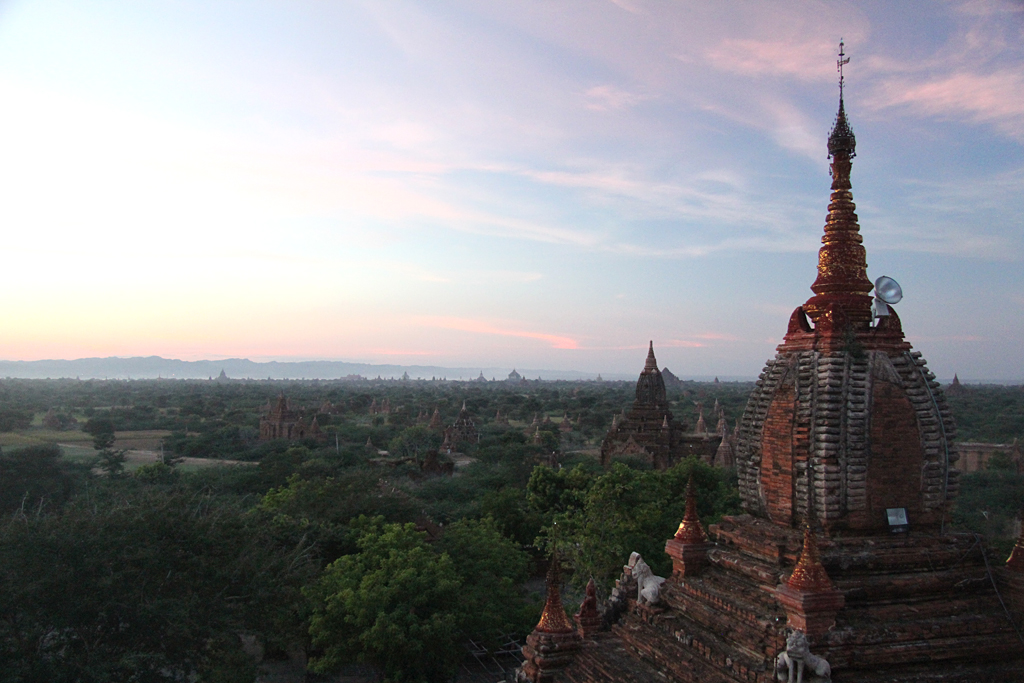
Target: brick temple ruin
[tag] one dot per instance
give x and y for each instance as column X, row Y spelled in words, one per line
column 650, row 432
column 843, row 567
column 282, row 421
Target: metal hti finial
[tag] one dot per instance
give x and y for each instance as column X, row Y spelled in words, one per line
column 843, row 59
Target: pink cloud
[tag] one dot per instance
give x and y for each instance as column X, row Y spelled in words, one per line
column 811, row 60
column 985, row 98
column 400, row 352
column 608, row 97
column 717, row 336
column 482, row 327
column 683, row 343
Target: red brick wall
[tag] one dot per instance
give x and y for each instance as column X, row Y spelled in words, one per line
column 896, row 458
column 777, row 455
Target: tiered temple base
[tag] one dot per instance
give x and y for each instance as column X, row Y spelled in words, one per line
column 918, row 607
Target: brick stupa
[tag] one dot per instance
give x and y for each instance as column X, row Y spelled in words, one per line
column 845, row 433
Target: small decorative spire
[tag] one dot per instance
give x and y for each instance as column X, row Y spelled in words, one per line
column 809, row 576
column 553, row 619
column 690, row 529
column 588, row 619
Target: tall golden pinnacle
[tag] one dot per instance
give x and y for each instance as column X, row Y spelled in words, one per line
column 690, row 529
column 841, row 290
column 809, row 576
column 553, row 618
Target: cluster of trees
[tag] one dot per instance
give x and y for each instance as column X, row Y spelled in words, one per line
column 146, row 577
column 989, row 413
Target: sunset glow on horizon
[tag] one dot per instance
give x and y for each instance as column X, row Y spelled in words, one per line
column 521, row 184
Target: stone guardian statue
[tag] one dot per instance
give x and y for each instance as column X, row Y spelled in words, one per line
column 796, row 658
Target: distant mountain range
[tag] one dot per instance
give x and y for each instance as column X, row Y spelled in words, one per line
column 153, row 367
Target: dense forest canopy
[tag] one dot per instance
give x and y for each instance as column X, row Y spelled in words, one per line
column 148, row 533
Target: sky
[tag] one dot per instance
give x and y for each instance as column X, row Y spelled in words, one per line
column 525, row 184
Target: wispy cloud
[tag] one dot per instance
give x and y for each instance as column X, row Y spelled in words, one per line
column 476, row 326
column 805, row 60
column 608, row 97
column 993, row 98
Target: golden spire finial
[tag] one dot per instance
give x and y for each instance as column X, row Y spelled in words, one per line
column 553, row 619
column 809, row 575
column 690, row 529
column 843, row 59
column 841, row 140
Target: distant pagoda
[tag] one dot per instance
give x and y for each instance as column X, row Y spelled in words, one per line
column 649, row 430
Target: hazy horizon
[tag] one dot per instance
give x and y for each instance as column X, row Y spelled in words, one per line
column 152, row 367
column 501, row 184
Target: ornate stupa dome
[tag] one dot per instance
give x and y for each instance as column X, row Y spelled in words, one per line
column 846, row 422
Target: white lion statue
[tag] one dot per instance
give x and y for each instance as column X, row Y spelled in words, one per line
column 790, row 665
column 648, row 586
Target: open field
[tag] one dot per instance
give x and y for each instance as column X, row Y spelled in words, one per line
column 136, row 459
column 143, row 446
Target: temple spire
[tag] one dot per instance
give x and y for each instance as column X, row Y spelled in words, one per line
column 690, row 529
column 650, row 387
column 553, row 618
column 652, row 362
column 841, row 300
column 809, row 575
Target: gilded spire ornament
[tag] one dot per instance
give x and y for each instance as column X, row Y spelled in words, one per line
column 553, row 618
column 841, row 289
column 690, row 529
column 809, row 576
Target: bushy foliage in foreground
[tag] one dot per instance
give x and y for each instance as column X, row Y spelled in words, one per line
column 406, row 607
column 989, row 504
column 148, row 587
